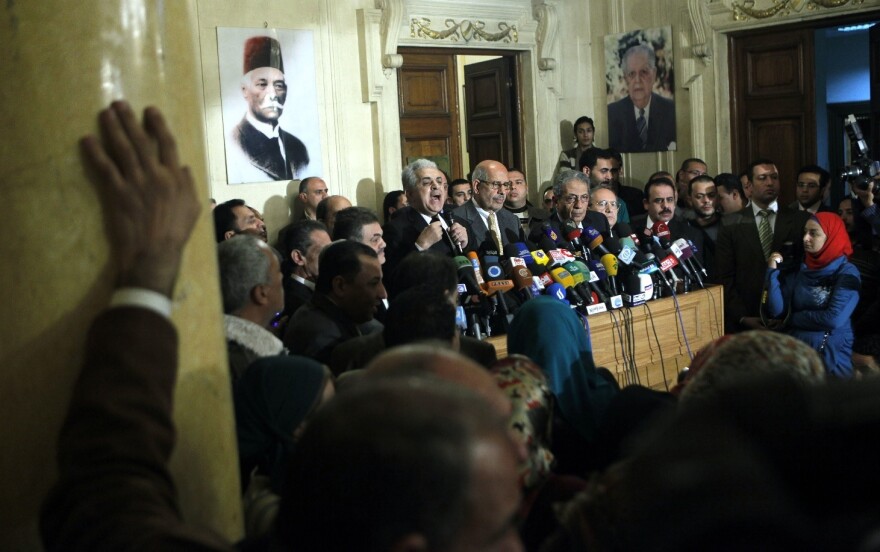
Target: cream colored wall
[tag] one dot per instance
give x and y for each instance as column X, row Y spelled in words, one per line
column 63, row 64
column 347, row 133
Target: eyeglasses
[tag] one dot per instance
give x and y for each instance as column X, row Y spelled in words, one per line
column 498, row 185
column 605, row 203
column 570, row 199
column 807, row 185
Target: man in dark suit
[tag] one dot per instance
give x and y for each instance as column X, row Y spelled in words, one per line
column 741, row 260
column 348, row 291
column 490, row 183
column 660, row 206
column 571, row 191
column 644, row 120
column 269, row 153
column 420, row 227
column 302, row 245
column 812, row 182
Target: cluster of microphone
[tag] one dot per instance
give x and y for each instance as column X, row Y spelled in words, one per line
column 582, row 267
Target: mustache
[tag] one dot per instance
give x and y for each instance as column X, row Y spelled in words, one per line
column 665, row 211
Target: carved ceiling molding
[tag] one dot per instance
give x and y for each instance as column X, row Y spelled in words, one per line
column 754, row 9
column 710, row 16
column 464, row 30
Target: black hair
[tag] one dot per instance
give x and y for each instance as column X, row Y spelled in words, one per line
column 224, row 218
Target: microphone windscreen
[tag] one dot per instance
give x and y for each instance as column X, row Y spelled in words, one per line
column 562, row 276
column 599, row 269
column 498, row 286
column 610, row 263
column 593, row 237
column 557, row 291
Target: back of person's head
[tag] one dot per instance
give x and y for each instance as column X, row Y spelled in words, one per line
column 389, row 203
column 243, row 265
column 340, row 258
column 350, row 222
column 423, row 268
column 749, row 355
column 224, row 218
column 389, row 459
column 730, row 182
column 418, row 314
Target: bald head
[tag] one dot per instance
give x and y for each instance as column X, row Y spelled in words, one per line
column 328, row 208
column 490, row 185
column 423, row 360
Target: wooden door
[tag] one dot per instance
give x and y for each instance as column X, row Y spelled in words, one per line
column 771, row 81
column 427, row 85
column 491, row 107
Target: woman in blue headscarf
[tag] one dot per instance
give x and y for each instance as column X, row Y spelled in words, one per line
column 552, row 335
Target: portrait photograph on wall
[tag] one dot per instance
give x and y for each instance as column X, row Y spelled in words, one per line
column 640, row 90
column 270, row 104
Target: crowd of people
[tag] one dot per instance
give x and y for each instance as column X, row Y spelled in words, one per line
column 371, row 416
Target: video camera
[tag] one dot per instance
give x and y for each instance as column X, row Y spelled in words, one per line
column 863, row 169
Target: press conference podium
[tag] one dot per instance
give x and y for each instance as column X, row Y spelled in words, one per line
column 644, row 326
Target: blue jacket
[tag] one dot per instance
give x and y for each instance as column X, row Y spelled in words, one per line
column 818, row 301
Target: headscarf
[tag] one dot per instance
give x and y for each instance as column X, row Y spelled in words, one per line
column 272, row 398
column 836, row 241
column 526, row 386
column 751, row 354
column 548, row 332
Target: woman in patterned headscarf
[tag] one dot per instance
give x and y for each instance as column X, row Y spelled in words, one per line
column 817, row 301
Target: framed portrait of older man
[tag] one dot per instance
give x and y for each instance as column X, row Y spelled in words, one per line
column 639, row 86
column 270, row 104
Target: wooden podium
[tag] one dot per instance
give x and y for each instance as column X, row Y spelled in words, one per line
column 646, row 344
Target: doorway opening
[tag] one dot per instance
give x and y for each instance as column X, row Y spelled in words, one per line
column 788, row 101
column 459, row 107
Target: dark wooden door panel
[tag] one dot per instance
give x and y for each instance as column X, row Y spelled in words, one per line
column 490, row 92
column 429, row 128
column 773, row 102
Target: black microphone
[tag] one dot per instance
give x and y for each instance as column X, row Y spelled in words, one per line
column 456, row 247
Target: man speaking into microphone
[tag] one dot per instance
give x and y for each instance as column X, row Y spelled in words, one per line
column 660, row 206
column 420, row 226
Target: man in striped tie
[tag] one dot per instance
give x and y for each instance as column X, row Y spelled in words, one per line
column 643, row 120
column 746, row 240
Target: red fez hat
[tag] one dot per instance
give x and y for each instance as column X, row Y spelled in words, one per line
column 262, row 51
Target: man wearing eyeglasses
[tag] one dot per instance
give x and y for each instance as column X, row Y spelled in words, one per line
column 572, row 192
column 812, row 183
column 420, row 226
column 493, row 227
column 604, row 200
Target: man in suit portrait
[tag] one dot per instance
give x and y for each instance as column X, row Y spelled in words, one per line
column 264, row 151
column 643, row 120
column 741, row 254
column 492, row 225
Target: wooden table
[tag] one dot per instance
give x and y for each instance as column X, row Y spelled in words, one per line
column 650, row 336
